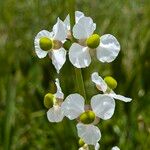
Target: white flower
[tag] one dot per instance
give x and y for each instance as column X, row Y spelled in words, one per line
column 115, row 148
column 55, row 113
column 107, row 47
column 78, row 16
column 51, row 39
column 102, row 86
column 102, row 106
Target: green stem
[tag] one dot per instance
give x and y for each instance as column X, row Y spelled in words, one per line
column 78, row 72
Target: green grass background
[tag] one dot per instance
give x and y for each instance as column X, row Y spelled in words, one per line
column 25, row 79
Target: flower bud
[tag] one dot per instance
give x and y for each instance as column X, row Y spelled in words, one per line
column 87, row 117
column 93, row 41
column 49, row 100
column 111, row 82
column 45, row 43
column 67, row 44
column 81, row 142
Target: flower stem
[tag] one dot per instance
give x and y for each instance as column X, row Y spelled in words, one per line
column 78, row 72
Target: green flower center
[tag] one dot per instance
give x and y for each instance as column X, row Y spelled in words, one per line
column 111, row 82
column 87, row 117
column 49, row 100
column 93, row 41
column 45, row 43
column 81, row 142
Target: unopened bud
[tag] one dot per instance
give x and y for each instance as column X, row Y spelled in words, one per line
column 111, row 82
column 87, row 117
column 81, row 142
column 45, row 43
column 93, row 41
column 49, row 100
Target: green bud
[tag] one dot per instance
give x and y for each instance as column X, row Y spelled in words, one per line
column 81, row 142
column 93, row 41
column 49, row 100
column 45, row 43
column 87, row 117
column 67, row 44
column 111, row 82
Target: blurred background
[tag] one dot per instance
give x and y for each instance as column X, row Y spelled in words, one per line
column 25, row 79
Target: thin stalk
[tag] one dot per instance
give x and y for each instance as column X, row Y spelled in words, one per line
column 78, row 72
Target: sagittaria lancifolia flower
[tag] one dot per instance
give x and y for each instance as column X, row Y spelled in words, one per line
column 107, row 85
column 53, row 103
column 51, row 43
column 107, row 47
column 102, row 106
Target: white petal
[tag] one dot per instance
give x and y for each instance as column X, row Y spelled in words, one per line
column 58, row 58
column 103, row 106
column 59, row 94
column 102, row 86
column 120, row 97
column 115, row 148
column 55, row 114
column 60, row 30
column 73, row 106
column 89, row 133
column 84, row 28
column 41, row 53
column 79, row 56
column 108, row 48
column 97, row 146
column 78, row 15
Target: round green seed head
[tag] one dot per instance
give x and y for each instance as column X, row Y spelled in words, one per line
column 93, row 41
column 45, row 43
column 87, row 117
column 67, row 44
column 81, row 142
column 49, row 100
column 111, row 82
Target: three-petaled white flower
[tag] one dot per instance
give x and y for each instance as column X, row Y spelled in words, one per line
column 102, row 86
column 102, row 106
column 55, row 113
column 107, row 46
column 51, row 43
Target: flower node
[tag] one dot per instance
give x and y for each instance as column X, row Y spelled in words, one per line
column 87, row 117
column 93, row 41
column 67, row 44
column 49, row 100
column 111, row 82
column 45, row 43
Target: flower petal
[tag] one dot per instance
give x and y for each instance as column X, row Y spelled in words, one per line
column 44, row 33
column 101, row 85
column 60, row 30
column 58, row 58
column 84, row 28
column 97, row 146
column 120, row 97
column 103, row 106
column 79, row 56
column 115, row 148
column 89, row 133
column 78, row 15
column 59, row 94
column 108, row 48
column 73, row 106
column 55, row 114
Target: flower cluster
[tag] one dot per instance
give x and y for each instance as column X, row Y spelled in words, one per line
column 57, row 44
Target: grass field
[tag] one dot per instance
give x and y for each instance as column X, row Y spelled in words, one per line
column 25, row 79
